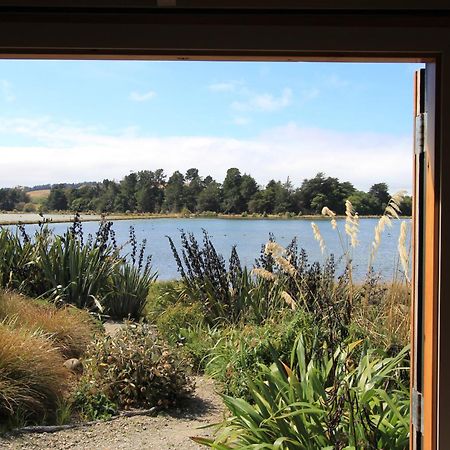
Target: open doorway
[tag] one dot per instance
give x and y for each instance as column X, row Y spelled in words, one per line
column 270, row 102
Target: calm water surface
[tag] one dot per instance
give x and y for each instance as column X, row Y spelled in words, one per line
column 248, row 235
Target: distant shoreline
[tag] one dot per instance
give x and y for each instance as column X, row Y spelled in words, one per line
column 33, row 218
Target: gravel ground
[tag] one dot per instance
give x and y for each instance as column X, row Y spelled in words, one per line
column 170, row 430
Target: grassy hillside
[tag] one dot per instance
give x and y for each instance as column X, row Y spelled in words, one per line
column 39, row 196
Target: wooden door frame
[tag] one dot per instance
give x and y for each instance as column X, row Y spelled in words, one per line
column 61, row 30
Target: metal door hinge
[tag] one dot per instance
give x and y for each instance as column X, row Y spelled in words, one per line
column 419, row 145
column 417, row 410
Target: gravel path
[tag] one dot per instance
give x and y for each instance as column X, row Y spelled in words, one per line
column 170, row 430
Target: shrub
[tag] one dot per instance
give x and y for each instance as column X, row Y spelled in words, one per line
column 29, row 208
column 129, row 292
column 135, row 369
column 69, row 269
column 176, row 318
column 70, row 329
column 76, row 272
column 226, row 294
column 16, row 256
column 322, row 400
column 32, row 376
column 237, row 353
column 92, row 404
column 195, row 343
column 163, row 295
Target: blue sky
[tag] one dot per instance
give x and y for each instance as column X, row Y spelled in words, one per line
column 87, row 120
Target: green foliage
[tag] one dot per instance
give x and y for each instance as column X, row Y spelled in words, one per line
column 226, row 294
column 134, row 369
column 92, row 404
column 150, row 192
column 321, row 191
column 238, row 352
column 16, row 256
column 88, row 273
column 57, row 199
column 76, row 272
column 10, row 198
column 128, row 292
column 178, row 317
column 322, row 400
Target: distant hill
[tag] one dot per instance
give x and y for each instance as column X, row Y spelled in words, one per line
column 45, row 187
column 37, row 196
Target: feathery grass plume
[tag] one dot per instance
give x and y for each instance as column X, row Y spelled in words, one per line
column 274, row 249
column 318, row 237
column 391, row 212
column 402, row 249
column 263, row 273
column 285, row 266
column 393, row 207
column 327, row 212
column 351, row 223
column 384, row 221
column 289, row 300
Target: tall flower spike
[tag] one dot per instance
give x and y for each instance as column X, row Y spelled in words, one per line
column 327, row 212
column 263, row 273
column 275, row 249
column 402, row 249
column 351, row 223
column 318, row 237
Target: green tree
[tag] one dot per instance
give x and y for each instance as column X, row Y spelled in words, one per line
column 174, row 193
column 57, row 199
column 248, row 188
column 194, row 186
column 364, row 203
column 210, row 198
column 380, row 194
column 232, row 198
column 127, row 197
column 321, row 191
column 11, row 197
column 150, row 190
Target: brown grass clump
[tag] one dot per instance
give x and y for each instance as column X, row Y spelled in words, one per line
column 70, row 329
column 32, row 376
column 384, row 313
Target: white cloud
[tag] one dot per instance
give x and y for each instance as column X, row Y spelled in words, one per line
column 228, row 86
column 69, row 153
column 6, row 91
column 264, row 102
column 142, row 96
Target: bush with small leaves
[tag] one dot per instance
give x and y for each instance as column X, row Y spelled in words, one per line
column 135, row 369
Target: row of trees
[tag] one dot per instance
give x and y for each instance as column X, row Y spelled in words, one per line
column 14, row 198
column 152, row 192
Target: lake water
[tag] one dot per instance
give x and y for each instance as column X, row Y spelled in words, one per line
column 248, row 235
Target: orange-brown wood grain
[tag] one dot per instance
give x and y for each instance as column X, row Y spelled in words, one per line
column 431, row 269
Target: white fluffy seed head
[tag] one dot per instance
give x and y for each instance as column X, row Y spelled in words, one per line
column 275, row 249
column 327, row 212
column 264, row 274
column 402, row 249
column 318, row 237
column 289, row 300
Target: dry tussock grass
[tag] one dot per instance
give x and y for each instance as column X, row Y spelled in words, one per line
column 70, row 329
column 32, row 376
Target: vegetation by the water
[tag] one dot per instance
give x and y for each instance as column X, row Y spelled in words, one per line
column 152, row 192
column 88, row 272
column 306, row 357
